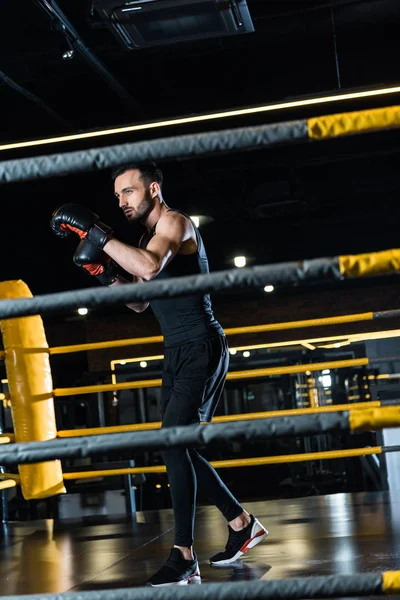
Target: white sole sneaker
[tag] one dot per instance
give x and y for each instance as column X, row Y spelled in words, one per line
column 258, row 534
column 192, row 579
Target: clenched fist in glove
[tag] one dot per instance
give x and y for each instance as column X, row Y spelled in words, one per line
column 82, row 221
column 96, row 262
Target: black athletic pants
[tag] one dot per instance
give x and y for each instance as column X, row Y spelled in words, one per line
column 193, row 379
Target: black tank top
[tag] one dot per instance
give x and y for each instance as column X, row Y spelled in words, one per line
column 189, row 317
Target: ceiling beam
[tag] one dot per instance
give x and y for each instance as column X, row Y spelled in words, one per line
column 55, row 13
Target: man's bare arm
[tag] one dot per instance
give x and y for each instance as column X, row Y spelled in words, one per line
column 172, row 230
column 136, row 306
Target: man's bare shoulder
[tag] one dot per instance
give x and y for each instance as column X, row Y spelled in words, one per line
column 173, row 219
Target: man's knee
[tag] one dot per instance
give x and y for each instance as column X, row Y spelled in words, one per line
column 194, row 455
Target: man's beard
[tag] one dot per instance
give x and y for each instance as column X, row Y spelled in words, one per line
column 145, row 207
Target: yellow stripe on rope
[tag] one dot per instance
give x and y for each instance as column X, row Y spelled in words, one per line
column 371, row 263
column 374, row 418
column 391, row 582
column 236, row 462
column 353, row 122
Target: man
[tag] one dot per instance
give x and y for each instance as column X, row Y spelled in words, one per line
column 196, row 353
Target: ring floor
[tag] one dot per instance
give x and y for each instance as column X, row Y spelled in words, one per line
column 318, row 535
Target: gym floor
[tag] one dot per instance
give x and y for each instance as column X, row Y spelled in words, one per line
column 318, row 535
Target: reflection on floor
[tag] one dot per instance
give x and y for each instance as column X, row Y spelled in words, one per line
column 322, row 535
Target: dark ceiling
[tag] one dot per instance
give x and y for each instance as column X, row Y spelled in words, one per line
column 302, row 201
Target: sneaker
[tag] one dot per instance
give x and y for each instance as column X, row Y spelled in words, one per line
column 176, row 571
column 240, row 542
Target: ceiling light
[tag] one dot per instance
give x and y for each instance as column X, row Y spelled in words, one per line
column 232, row 351
column 122, row 362
column 206, row 117
column 326, row 381
column 240, row 261
column 82, row 311
column 68, row 54
column 246, row 354
column 269, row 288
column 143, row 364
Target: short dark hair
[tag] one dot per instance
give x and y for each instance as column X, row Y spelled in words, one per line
column 149, row 172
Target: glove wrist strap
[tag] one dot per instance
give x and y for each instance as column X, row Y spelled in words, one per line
column 99, row 234
column 109, row 275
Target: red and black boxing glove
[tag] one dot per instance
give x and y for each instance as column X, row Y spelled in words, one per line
column 96, row 263
column 74, row 218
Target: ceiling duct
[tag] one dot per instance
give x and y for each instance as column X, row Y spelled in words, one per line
column 148, row 23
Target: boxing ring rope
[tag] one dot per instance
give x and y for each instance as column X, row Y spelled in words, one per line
column 258, row 461
column 191, row 145
column 292, row 412
column 255, row 461
column 267, row 327
column 287, row 273
column 245, row 138
column 331, row 586
column 335, row 341
column 232, row 375
column 244, row 462
column 232, row 463
column 264, row 328
column 230, row 331
column 200, row 435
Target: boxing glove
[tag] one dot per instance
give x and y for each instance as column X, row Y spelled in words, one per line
column 96, row 262
column 82, row 221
